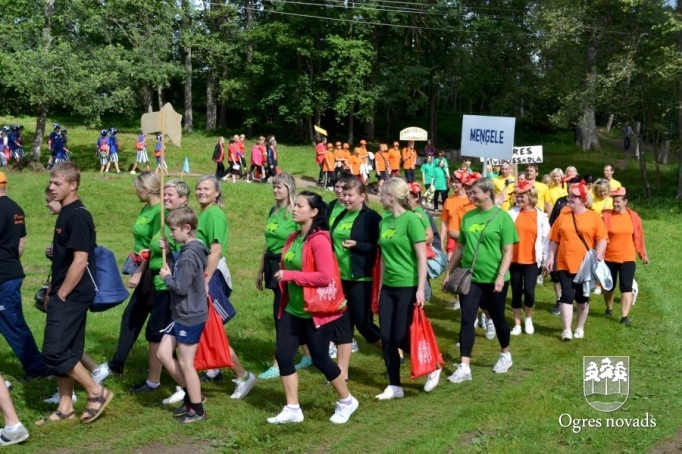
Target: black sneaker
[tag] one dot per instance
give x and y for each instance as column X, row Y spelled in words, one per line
column 625, row 321
column 116, row 368
column 208, row 379
column 143, row 388
column 555, row 309
column 192, row 416
column 608, row 312
column 180, row 411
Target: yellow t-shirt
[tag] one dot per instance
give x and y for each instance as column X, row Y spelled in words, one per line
column 543, row 194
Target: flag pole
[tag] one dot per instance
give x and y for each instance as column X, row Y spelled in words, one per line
column 163, row 161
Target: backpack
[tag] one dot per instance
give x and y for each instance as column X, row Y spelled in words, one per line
column 103, row 144
column 109, row 287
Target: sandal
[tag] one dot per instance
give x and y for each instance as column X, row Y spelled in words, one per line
column 91, row 414
column 55, row 416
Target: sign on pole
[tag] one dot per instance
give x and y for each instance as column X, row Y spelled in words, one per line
column 522, row 155
column 488, row 137
column 414, row 133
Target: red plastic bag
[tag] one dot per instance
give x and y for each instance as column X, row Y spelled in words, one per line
column 425, row 355
column 324, row 300
column 213, row 351
column 376, row 278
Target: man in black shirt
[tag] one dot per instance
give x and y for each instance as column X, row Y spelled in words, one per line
column 71, row 293
column 12, row 323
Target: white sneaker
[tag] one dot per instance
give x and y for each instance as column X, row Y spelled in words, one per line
column 12, row 437
column 287, row 415
column 457, row 307
column 461, row 374
column 342, row 413
column 244, row 386
column 490, row 330
column 635, row 291
column 579, row 334
column 484, row 321
column 174, row 398
column 9, row 385
column 332, row 350
column 597, row 290
column 504, row 362
column 528, row 325
column 516, row 330
column 54, row 398
column 391, row 392
column 132, row 172
column 100, row 373
column 432, row 380
column 355, row 348
column 476, row 323
column 566, row 335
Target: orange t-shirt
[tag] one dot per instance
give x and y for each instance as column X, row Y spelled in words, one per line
column 621, row 247
column 339, row 157
column 354, row 163
column 380, row 161
column 328, row 164
column 363, row 153
column 394, row 159
column 527, row 227
column 450, row 206
column 571, row 249
column 409, row 158
column 455, row 222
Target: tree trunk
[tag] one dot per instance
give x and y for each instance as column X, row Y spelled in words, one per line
column 36, row 144
column 642, row 161
column 609, row 123
column 159, row 95
column 222, row 118
column 187, row 118
column 351, row 118
column 433, row 114
column 368, row 128
column 586, row 131
column 211, row 107
column 147, row 98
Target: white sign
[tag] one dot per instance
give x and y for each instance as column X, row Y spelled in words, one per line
column 414, row 133
column 488, row 137
column 521, row 155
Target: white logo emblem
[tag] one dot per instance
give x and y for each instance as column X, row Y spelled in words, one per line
column 606, row 381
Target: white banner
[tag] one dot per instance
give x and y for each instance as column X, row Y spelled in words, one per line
column 488, row 137
column 522, row 155
column 414, row 133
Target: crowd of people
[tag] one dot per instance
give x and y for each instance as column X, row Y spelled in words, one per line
column 11, row 144
column 509, row 229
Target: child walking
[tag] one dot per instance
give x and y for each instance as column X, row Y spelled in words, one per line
column 189, row 312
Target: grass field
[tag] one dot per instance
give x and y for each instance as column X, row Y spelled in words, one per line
column 520, row 411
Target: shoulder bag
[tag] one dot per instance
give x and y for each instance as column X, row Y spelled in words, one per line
column 460, row 278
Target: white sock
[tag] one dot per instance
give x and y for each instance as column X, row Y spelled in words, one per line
column 213, row 373
column 153, row 385
column 347, row 401
column 13, row 428
column 295, row 408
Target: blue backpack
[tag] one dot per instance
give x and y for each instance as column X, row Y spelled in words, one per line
column 109, row 287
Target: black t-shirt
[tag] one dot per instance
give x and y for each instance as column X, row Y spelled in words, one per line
column 12, row 229
column 74, row 231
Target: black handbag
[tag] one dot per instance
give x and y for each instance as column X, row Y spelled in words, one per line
column 41, row 294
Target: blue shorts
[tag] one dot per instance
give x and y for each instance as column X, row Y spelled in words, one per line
column 185, row 334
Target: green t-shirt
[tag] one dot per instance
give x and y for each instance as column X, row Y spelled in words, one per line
column 293, row 260
column 500, row 232
column 340, row 234
column 336, row 208
column 428, row 170
column 278, row 228
column 212, row 227
column 397, row 236
column 147, row 223
column 156, row 259
column 419, row 211
column 440, row 181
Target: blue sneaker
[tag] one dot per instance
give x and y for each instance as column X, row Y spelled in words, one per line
column 305, row 363
column 273, row 372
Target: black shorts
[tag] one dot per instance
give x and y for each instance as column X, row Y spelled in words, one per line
column 159, row 316
column 626, row 271
column 342, row 329
column 64, row 340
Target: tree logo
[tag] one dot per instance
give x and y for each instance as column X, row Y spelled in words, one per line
column 606, row 381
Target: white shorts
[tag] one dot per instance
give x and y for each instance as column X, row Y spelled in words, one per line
column 113, row 157
column 103, row 158
column 142, row 155
column 18, row 153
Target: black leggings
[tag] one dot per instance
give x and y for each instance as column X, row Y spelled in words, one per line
column 440, row 193
column 482, row 295
column 396, row 305
column 133, row 319
column 523, row 281
column 219, row 170
column 409, row 175
column 359, row 296
column 294, row 331
column 571, row 290
column 626, row 271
